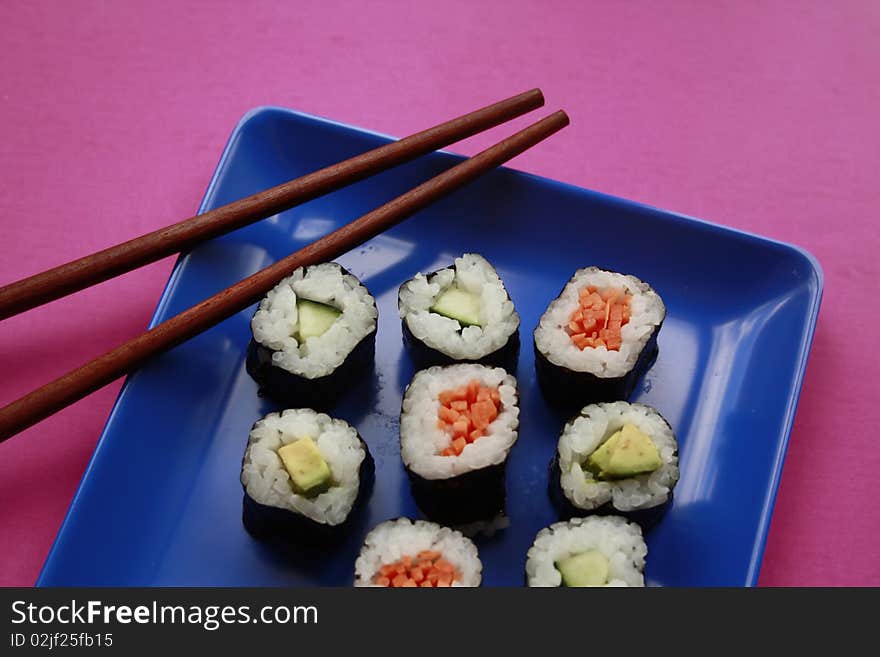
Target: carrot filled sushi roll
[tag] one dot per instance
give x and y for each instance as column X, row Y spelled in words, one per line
column 304, row 475
column 406, row 553
column 457, row 426
column 314, row 334
column 461, row 313
column 597, row 338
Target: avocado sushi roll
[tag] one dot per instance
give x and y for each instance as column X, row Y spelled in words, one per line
column 583, row 552
column 304, row 474
column 457, row 426
column 597, row 338
column 617, row 458
column 313, row 335
column 461, row 313
column 406, row 553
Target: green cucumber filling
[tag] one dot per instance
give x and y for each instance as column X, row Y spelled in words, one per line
column 588, row 568
column 458, row 304
column 628, row 452
column 314, row 318
column 309, row 472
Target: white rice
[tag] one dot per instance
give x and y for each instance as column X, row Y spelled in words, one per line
column 583, row 436
column 267, row 482
column 646, row 313
column 395, row 539
column 275, row 323
column 421, row 440
column 619, row 540
column 472, row 273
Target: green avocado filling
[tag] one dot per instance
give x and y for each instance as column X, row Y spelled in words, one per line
column 626, row 453
column 458, row 304
column 588, row 568
column 314, row 318
column 309, row 472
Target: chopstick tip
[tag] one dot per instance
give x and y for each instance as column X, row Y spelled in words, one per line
column 562, row 117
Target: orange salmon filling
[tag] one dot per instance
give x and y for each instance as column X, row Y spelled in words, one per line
column 465, row 413
column 599, row 316
column 427, row 570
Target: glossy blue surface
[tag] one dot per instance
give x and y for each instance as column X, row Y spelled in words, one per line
column 160, row 503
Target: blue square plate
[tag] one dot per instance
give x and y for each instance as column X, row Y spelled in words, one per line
column 160, row 503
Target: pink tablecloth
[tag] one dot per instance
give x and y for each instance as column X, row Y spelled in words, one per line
column 762, row 117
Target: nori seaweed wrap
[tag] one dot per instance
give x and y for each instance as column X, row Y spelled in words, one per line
column 597, row 338
column 305, row 476
column 458, row 314
column 615, row 458
column 588, row 552
column 314, row 334
column 404, row 553
column 457, row 426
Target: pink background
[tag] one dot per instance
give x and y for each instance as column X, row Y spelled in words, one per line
column 759, row 116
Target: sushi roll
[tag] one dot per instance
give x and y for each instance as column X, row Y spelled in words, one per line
column 304, row 474
column 414, row 553
column 313, row 335
column 616, row 458
column 595, row 551
column 459, row 314
column 597, row 338
column 457, row 426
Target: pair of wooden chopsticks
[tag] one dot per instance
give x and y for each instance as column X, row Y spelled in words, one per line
column 78, row 274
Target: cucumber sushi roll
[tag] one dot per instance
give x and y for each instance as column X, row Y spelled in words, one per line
column 457, row 426
column 303, row 473
column 595, row 551
column 615, row 458
column 459, row 314
column 597, row 337
column 313, row 335
column 414, row 553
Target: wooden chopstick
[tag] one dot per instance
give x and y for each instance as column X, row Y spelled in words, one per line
column 78, row 383
column 78, row 274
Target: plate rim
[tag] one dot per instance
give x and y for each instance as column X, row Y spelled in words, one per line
column 816, row 293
